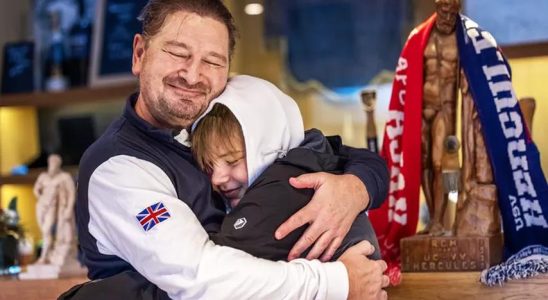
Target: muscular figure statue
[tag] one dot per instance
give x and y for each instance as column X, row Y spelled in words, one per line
column 55, row 192
column 439, row 106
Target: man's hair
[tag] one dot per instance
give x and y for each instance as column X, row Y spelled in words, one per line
column 155, row 12
column 218, row 128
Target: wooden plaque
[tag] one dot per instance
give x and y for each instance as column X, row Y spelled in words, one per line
column 424, row 253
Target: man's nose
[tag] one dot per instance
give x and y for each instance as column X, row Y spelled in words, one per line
column 191, row 71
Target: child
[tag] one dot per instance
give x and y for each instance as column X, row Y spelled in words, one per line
column 251, row 141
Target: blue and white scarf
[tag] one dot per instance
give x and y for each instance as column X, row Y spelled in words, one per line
column 521, row 185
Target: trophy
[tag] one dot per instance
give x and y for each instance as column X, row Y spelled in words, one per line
column 369, row 97
column 55, row 59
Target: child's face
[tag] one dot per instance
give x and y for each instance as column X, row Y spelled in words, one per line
column 229, row 173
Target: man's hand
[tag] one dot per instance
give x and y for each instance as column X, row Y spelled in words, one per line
column 365, row 276
column 337, row 200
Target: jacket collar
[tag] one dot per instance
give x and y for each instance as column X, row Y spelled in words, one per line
column 162, row 134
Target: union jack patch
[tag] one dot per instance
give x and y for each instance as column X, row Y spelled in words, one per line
column 152, row 215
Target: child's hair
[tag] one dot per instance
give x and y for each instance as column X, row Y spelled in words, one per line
column 218, row 127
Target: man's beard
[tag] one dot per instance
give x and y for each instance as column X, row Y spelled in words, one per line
column 175, row 115
column 178, row 113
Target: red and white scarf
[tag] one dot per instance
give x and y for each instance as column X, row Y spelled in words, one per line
column 397, row 218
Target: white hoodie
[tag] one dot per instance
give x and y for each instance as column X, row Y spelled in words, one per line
column 271, row 120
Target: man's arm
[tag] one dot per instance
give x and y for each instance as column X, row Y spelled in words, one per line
column 177, row 255
column 266, row 205
column 371, row 169
column 337, row 201
column 372, row 271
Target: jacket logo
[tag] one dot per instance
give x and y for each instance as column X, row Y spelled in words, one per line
column 240, row 223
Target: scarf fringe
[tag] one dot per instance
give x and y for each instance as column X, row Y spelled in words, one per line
column 515, row 268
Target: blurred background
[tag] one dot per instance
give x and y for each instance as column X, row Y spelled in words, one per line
column 66, row 70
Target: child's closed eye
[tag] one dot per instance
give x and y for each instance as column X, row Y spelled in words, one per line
column 233, row 161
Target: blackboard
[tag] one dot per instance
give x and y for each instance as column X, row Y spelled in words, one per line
column 116, row 27
column 120, row 26
column 18, row 64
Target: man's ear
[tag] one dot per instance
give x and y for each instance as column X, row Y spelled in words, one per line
column 139, row 44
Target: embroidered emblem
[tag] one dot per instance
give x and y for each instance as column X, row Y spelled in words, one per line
column 152, row 215
column 240, row 223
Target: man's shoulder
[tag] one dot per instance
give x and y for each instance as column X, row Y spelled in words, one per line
column 106, row 144
column 120, row 138
column 123, row 141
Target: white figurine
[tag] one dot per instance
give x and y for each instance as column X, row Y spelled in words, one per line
column 55, row 192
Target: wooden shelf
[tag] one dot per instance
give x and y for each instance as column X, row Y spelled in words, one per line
column 31, row 177
column 37, row 289
column 525, row 50
column 73, row 96
column 465, row 285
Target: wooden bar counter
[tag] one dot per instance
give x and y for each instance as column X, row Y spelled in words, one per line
column 14, row 289
column 441, row 286
column 465, row 285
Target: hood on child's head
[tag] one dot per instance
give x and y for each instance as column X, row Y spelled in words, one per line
column 271, row 120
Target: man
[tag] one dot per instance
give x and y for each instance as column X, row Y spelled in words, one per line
column 143, row 205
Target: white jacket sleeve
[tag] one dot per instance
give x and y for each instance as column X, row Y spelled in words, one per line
column 177, row 254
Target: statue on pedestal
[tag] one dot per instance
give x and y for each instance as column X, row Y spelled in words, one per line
column 446, row 55
column 476, row 233
column 55, row 193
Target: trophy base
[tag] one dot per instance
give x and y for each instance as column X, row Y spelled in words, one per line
column 424, row 253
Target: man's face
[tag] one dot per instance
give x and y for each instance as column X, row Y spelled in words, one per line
column 228, row 172
column 181, row 69
column 447, row 11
